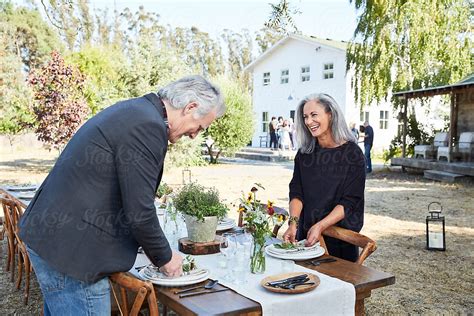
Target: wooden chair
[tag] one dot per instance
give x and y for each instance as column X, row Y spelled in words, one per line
column 124, row 284
column 276, row 228
column 13, row 211
column 9, row 231
column 368, row 245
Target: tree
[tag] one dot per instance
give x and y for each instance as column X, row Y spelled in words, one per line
column 27, row 35
column 235, row 129
column 102, row 67
column 281, row 18
column 266, row 37
column 239, row 54
column 59, row 106
column 403, row 45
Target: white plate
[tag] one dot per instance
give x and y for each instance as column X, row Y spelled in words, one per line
column 225, row 223
column 180, row 281
column 300, row 248
column 300, row 255
column 25, row 195
column 22, row 188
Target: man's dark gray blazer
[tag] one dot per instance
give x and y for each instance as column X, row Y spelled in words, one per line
column 96, row 206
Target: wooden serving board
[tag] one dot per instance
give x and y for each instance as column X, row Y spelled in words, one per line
column 299, row 289
column 199, row 248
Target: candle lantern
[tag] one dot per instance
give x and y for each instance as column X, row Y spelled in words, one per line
column 435, row 228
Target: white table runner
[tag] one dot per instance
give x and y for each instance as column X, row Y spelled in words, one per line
column 331, row 297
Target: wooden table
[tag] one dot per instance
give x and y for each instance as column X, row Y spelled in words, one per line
column 363, row 278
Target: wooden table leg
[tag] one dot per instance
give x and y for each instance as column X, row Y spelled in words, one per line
column 360, row 304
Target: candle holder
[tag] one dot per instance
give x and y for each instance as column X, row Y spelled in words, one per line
column 435, row 228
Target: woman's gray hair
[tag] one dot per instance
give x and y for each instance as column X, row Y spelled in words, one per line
column 194, row 89
column 339, row 129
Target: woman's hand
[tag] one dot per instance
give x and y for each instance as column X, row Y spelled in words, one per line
column 290, row 234
column 314, row 234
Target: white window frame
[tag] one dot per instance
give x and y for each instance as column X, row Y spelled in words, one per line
column 364, row 116
column 383, row 121
column 284, row 76
column 328, row 71
column 266, row 78
column 305, row 73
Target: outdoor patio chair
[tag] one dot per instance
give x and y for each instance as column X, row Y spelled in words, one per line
column 128, row 290
column 463, row 149
column 429, row 151
column 13, row 211
column 368, row 245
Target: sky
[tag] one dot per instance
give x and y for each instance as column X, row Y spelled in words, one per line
column 335, row 19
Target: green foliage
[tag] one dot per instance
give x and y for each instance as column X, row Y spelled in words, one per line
column 281, row 18
column 163, row 189
column 416, row 134
column 102, row 67
column 185, row 153
column 29, row 36
column 196, row 200
column 402, row 45
column 235, row 129
column 14, row 94
column 59, row 106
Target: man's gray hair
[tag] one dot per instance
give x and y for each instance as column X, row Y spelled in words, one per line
column 339, row 129
column 194, row 89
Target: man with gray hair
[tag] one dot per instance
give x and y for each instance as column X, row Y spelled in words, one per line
column 96, row 206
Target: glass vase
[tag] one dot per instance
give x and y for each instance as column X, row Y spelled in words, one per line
column 257, row 259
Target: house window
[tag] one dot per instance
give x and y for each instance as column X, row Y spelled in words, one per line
column 328, row 72
column 305, row 73
column 364, row 116
column 285, row 76
column 383, row 120
column 292, row 115
column 266, row 78
column 265, row 122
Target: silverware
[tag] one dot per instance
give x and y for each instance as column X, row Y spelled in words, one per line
column 317, row 262
column 288, row 280
column 293, row 285
column 208, row 286
column 202, row 292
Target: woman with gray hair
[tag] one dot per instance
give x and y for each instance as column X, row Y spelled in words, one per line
column 328, row 181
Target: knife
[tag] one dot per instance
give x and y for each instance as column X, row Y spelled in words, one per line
column 202, row 292
column 294, row 282
column 295, row 278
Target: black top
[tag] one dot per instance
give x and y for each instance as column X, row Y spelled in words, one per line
column 328, row 177
column 97, row 204
column 369, row 135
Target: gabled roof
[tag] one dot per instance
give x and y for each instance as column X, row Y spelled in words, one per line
column 467, row 82
column 338, row 45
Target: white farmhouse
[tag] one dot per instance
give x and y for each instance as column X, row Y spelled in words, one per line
column 300, row 65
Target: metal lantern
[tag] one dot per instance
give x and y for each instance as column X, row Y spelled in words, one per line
column 435, row 228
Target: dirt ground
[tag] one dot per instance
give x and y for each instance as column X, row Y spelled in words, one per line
column 427, row 282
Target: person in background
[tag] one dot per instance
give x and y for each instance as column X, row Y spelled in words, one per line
column 328, row 181
column 279, row 130
column 96, row 206
column 368, row 143
column 272, row 128
column 354, row 131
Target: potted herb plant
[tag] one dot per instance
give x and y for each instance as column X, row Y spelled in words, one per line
column 202, row 209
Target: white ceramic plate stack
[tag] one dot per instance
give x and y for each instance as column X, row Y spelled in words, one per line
column 152, row 274
column 225, row 223
column 300, row 253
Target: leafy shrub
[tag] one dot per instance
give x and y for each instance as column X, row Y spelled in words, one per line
column 196, row 200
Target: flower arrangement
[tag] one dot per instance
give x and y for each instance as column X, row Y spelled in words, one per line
column 258, row 219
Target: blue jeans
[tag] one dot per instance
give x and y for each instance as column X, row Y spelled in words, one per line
column 368, row 161
column 63, row 295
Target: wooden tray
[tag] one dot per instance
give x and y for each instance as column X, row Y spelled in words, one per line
column 299, row 289
column 199, row 248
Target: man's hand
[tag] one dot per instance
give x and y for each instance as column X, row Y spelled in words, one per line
column 174, row 268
